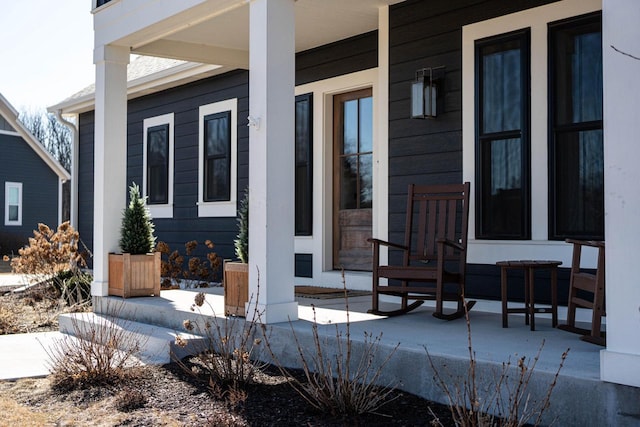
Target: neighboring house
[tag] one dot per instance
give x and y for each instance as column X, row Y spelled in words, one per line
column 30, row 182
column 521, row 113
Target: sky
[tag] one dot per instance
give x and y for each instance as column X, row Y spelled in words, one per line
column 46, row 51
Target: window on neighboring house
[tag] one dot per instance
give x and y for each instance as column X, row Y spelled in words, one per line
column 304, row 165
column 158, row 165
column 218, row 169
column 12, row 203
column 502, row 137
column 576, row 194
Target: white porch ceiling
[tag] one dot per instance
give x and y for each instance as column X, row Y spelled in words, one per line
column 223, row 37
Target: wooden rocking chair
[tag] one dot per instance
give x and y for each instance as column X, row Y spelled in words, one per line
column 434, row 252
column 587, row 290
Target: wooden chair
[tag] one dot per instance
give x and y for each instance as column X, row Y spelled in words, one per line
column 434, row 252
column 586, row 290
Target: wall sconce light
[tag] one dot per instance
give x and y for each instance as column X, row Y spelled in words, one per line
column 424, row 93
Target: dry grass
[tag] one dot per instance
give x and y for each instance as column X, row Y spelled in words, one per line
column 8, row 319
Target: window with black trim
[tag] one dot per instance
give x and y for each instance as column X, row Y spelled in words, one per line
column 158, row 164
column 576, row 165
column 217, row 157
column 502, row 137
column 304, row 165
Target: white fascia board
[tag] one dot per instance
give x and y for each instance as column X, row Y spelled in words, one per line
column 136, row 23
column 11, row 115
column 172, row 77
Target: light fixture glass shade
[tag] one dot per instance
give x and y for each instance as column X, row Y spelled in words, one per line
column 417, row 99
column 430, row 95
column 423, row 99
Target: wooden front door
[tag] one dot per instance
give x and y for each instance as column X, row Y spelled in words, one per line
column 353, row 180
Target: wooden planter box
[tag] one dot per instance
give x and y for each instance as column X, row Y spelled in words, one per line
column 236, row 288
column 134, row 275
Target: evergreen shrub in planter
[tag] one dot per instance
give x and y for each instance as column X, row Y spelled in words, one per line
column 136, row 271
column 236, row 274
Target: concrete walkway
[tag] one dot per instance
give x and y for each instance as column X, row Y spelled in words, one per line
column 24, row 355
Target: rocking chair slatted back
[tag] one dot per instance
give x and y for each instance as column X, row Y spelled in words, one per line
column 434, row 251
column 431, row 216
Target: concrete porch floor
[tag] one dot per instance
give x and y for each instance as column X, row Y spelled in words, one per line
column 579, row 398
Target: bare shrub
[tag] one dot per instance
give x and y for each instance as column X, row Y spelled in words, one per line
column 130, row 399
column 229, row 352
column 504, row 401
column 197, row 273
column 52, row 258
column 49, row 252
column 336, row 380
column 100, row 352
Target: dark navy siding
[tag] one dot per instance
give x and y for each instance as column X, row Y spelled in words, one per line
column 429, row 34
column 85, row 180
column 184, row 102
column 40, row 188
column 335, row 59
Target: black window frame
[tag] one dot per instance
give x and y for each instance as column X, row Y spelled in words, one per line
column 226, row 157
column 151, row 199
column 524, row 133
column 554, row 129
column 304, row 170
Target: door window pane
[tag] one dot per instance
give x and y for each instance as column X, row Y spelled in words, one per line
column 356, row 166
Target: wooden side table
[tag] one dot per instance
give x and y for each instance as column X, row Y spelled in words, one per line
column 529, row 268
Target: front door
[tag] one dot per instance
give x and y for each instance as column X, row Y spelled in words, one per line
column 353, row 180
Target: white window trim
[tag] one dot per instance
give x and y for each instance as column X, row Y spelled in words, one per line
column 8, row 185
column 536, row 19
column 225, row 208
column 163, row 210
column 320, row 243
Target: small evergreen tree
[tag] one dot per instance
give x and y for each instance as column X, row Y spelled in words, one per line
column 136, row 234
column 242, row 242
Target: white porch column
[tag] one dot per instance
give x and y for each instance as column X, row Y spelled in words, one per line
column 110, row 158
column 271, row 151
column 620, row 362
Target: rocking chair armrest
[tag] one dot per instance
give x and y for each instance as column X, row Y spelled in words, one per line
column 592, row 243
column 447, row 242
column 385, row 243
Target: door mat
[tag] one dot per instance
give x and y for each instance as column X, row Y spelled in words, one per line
column 318, row 292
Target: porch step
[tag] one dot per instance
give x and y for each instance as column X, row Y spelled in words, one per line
column 157, row 342
column 170, row 310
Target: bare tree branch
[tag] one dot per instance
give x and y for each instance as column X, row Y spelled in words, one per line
column 625, row 53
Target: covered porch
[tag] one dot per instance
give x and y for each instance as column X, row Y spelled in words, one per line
column 263, row 36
